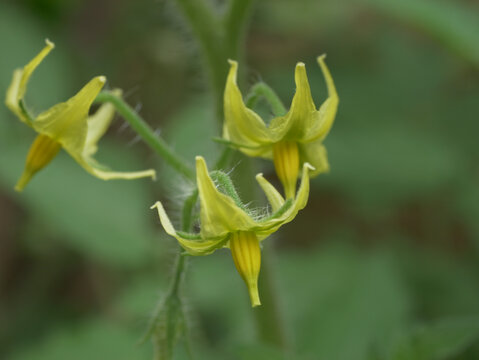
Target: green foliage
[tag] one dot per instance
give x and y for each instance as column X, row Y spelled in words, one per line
column 90, row 340
column 442, row 340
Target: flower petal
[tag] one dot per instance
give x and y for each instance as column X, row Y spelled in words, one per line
column 316, row 154
column 103, row 172
column 299, row 119
column 98, row 124
column 18, row 86
column 268, row 227
column 218, row 212
column 242, row 125
column 274, row 197
column 193, row 247
column 67, row 122
column 327, row 112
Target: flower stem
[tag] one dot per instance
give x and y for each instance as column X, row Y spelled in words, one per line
column 269, row 323
column 220, row 38
column 205, row 23
column 262, row 89
column 142, row 128
column 170, row 322
column 235, row 24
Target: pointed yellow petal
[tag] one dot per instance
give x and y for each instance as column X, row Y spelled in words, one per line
column 274, row 197
column 67, row 122
column 102, row 172
column 327, row 112
column 295, row 124
column 193, row 247
column 219, row 214
column 242, row 125
column 98, row 124
column 270, row 226
column 18, row 86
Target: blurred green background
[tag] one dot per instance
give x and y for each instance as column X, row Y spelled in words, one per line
column 382, row 264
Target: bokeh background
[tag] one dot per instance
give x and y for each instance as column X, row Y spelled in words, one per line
column 382, row 264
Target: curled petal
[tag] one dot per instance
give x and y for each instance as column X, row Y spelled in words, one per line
column 274, row 197
column 326, row 114
column 193, row 247
column 242, row 125
column 18, row 86
column 103, row 172
column 270, row 226
column 98, row 124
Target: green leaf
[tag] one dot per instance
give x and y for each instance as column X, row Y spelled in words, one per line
column 442, row 340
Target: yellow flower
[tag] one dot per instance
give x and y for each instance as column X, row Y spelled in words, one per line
column 65, row 125
column 226, row 222
column 290, row 140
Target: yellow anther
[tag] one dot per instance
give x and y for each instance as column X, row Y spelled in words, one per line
column 42, row 151
column 286, row 163
column 246, row 253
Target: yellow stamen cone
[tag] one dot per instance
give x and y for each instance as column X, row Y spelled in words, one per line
column 42, row 151
column 286, row 164
column 246, row 253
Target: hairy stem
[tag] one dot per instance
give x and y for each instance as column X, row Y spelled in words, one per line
column 235, row 22
column 220, row 38
column 205, row 25
column 269, row 323
column 262, row 89
column 142, row 128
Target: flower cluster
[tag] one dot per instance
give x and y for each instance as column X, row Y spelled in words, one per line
column 294, row 141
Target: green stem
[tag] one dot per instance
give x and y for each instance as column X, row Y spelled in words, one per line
column 269, row 323
column 170, row 320
column 235, row 24
column 178, row 275
column 188, row 208
column 25, row 112
column 142, row 128
column 262, row 89
column 220, row 38
column 205, row 25
column 224, row 159
column 218, row 44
